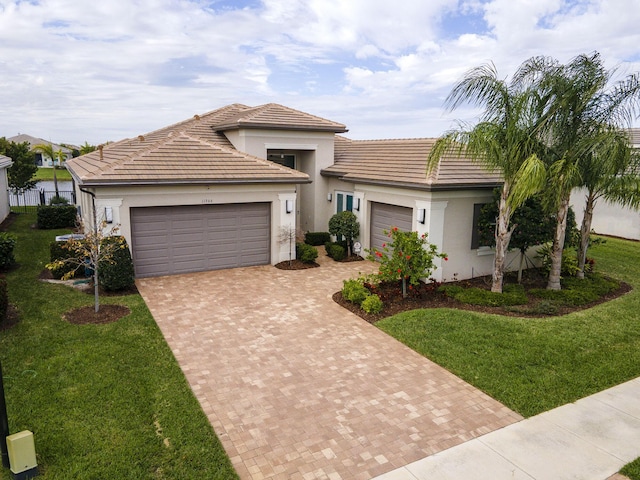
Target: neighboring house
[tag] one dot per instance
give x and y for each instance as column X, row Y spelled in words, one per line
column 611, row 218
column 218, row 190
column 41, row 159
column 5, row 163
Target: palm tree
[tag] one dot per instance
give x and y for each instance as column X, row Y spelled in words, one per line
column 503, row 141
column 611, row 172
column 576, row 107
column 47, row 149
column 87, row 148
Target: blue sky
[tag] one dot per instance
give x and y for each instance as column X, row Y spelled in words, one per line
column 75, row 71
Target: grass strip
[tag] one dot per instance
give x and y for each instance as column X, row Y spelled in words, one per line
column 103, row 401
column 44, row 173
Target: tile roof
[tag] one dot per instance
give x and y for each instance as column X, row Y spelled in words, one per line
column 634, row 134
column 192, row 151
column 274, row 116
column 33, row 141
column 402, row 162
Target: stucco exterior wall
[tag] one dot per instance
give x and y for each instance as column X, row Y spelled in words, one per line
column 313, row 150
column 4, row 188
column 608, row 218
column 122, row 200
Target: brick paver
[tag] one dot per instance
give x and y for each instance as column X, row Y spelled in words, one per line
column 298, row 388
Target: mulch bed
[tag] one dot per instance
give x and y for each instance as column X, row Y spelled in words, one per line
column 295, row 265
column 427, row 296
column 87, row 315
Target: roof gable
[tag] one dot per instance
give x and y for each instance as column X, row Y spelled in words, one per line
column 274, row 116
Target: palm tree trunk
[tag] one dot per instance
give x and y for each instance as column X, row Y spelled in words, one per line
column 55, row 180
column 503, row 236
column 558, row 246
column 585, row 230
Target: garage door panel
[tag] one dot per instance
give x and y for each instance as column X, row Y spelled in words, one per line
column 181, row 239
column 385, row 217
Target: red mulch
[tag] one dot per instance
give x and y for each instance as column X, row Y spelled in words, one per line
column 427, row 296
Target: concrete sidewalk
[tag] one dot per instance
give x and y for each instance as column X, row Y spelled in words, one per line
column 587, row 440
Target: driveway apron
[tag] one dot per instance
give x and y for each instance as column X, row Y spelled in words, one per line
column 296, row 387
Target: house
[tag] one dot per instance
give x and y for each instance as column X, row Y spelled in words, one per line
column 5, row 163
column 611, row 218
column 219, row 189
column 41, row 159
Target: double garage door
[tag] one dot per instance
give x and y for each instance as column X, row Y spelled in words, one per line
column 384, row 217
column 194, row 238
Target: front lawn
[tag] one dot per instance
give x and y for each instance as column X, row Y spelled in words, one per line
column 104, row 401
column 632, row 470
column 535, row 364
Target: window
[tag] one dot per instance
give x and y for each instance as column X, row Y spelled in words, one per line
column 286, row 159
column 475, row 234
column 344, row 201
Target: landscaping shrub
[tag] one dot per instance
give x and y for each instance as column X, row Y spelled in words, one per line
column 116, row 272
column 511, row 295
column 4, row 299
column 576, row 292
column 58, row 252
column 406, row 257
column 372, row 304
column 7, row 244
column 354, row 291
column 345, row 224
column 58, row 201
column 306, row 253
column 336, row 251
column 317, row 238
column 56, row 216
column 569, row 260
column 450, row 290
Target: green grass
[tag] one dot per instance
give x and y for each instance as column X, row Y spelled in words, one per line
column 534, row 365
column 47, row 174
column 104, row 401
column 632, row 470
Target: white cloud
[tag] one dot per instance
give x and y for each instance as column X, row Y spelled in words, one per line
column 75, row 71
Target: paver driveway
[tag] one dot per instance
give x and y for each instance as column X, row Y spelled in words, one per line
column 297, row 387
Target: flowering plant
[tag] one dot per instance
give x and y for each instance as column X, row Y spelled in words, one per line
column 407, row 257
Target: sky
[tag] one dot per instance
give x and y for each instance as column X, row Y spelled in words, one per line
column 75, row 71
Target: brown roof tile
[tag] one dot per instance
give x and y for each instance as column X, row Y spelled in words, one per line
column 402, row 162
column 192, row 151
column 277, row 116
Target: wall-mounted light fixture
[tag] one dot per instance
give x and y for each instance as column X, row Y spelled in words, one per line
column 108, row 214
column 289, row 206
column 329, row 197
column 422, row 214
column 356, row 207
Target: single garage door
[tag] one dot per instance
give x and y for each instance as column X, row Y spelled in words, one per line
column 194, row 238
column 384, row 217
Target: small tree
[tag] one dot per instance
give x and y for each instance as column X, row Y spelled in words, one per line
column 47, row 149
column 90, row 252
column 407, row 257
column 20, row 174
column 288, row 235
column 345, row 224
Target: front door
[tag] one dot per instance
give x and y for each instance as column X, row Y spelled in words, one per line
column 344, row 201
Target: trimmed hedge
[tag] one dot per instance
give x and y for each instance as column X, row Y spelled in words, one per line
column 7, row 244
column 56, row 216
column 117, row 273
column 57, row 252
column 306, row 253
column 317, row 238
column 336, row 251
